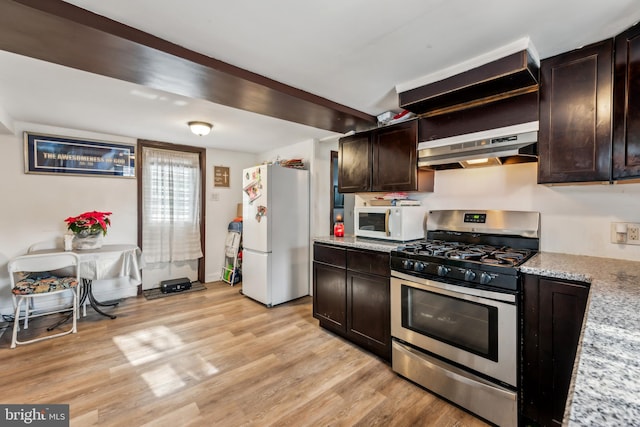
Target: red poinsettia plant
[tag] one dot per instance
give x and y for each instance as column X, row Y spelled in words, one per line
column 89, row 222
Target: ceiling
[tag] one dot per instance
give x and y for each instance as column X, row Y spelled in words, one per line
column 351, row 52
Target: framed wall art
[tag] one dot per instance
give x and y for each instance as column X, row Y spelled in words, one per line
column 51, row 154
column 221, row 176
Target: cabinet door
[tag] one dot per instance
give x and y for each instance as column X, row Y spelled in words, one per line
column 329, row 296
column 553, row 315
column 354, row 163
column 574, row 142
column 368, row 314
column 395, row 157
column 626, row 109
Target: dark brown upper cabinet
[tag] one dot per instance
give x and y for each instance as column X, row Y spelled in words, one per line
column 626, row 108
column 574, row 142
column 354, row 163
column 395, row 157
column 383, row 159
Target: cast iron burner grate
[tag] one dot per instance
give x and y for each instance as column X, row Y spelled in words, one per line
column 485, row 254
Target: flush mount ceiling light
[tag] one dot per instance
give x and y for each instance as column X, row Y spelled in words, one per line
column 200, row 128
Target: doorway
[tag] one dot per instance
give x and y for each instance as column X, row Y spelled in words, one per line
column 341, row 204
column 171, row 188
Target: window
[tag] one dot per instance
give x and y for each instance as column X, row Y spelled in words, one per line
column 171, row 200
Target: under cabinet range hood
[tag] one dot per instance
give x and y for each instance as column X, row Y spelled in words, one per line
column 509, row 144
column 481, row 112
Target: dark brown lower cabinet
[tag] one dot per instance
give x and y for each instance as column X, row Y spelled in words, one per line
column 351, row 296
column 368, row 307
column 329, row 295
column 553, row 315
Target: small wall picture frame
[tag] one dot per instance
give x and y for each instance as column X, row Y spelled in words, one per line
column 221, row 176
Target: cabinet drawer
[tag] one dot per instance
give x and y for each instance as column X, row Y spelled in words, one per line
column 369, row 262
column 330, row 255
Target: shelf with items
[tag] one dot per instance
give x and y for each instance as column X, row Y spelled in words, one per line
column 232, row 264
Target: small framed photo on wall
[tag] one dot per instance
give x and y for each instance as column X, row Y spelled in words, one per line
column 221, row 176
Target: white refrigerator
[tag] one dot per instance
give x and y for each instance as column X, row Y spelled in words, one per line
column 275, row 234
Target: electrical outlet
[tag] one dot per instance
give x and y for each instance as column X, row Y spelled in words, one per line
column 625, row 233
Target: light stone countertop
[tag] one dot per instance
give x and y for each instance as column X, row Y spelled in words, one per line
column 359, row 243
column 605, row 386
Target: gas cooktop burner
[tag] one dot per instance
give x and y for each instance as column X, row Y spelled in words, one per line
column 463, row 251
column 464, row 254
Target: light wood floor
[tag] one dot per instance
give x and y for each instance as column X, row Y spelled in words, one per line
column 214, row 358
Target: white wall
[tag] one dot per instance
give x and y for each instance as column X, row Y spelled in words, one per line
column 302, row 150
column 221, row 204
column 6, row 122
column 321, row 186
column 575, row 219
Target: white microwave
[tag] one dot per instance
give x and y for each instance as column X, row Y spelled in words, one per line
column 399, row 223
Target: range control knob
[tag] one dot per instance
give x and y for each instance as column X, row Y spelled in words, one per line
column 407, row 264
column 419, row 267
column 443, row 271
column 485, row 278
column 469, row 275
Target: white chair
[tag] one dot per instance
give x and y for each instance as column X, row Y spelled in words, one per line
column 56, row 243
column 31, row 278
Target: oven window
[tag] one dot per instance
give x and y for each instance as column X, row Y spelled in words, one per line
column 371, row 221
column 467, row 325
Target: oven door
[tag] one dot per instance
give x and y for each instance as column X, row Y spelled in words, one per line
column 472, row 327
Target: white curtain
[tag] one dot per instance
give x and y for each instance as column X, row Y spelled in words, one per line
column 171, row 205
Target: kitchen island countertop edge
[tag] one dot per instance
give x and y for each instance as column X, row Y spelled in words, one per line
column 604, row 388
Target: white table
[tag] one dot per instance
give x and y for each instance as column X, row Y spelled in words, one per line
column 111, row 262
column 107, row 262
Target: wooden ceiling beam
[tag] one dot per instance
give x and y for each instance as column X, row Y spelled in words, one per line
column 61, row 33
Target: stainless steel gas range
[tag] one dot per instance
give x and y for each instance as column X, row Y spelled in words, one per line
column 455, row 301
